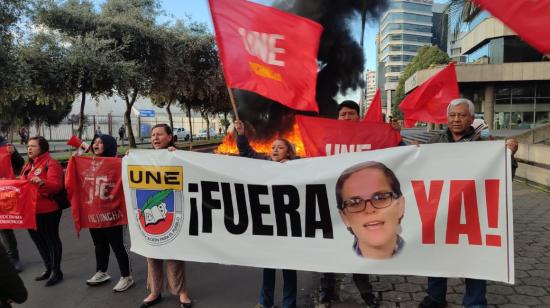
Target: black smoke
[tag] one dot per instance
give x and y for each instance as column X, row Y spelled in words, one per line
column 340, row 58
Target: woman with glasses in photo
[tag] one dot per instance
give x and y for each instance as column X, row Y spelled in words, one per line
column 371, row 205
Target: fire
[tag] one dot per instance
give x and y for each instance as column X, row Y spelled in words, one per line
column 229, row 145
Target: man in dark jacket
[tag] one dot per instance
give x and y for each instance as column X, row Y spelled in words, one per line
column 7, row 237
column 347, row 111
column 460, row 116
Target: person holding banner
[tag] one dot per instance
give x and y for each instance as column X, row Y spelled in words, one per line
column 348, row 111
column 7, row 236
column 281, row 151
column 460, row 116
column 163, row 138
column 45, row 172
column 106, row 146
column 376, row 228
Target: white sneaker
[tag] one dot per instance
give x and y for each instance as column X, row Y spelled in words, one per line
column 98, row 278
column 124, row 284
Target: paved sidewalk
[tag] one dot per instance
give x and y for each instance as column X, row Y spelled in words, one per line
column 532, row 264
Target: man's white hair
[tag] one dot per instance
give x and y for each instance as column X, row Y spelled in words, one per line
column 460, row 101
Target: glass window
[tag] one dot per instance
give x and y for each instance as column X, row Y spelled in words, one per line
column 411, row 6
column 392, row 17
column 543, row 89
column 502, row 92
column 523, row 91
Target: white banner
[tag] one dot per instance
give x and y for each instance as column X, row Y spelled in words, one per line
column 435, row 210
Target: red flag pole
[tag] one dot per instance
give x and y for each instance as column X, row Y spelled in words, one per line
column 233, row 102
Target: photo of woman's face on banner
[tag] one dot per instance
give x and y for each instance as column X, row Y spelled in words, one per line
column 371, row 205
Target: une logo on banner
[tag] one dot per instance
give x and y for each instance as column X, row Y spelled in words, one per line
column 157, row 201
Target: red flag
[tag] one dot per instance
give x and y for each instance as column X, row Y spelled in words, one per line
column 18, row 204
column 530, row 19
column 374, row 113
column 6, row 171
column 268, row 51
column 428, row 102
column 324, row 137
column 94, row 187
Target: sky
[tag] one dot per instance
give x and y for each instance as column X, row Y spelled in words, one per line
column 197, row 10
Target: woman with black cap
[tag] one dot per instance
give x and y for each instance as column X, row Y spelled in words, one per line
column 105, row 146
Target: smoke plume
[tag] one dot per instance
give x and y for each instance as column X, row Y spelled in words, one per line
column 340, row 59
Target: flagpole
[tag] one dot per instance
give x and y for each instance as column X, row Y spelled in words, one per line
column 233, row 103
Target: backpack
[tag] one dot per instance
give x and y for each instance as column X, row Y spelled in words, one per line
column 61, row 197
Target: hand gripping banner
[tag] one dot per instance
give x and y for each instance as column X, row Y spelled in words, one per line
column 438, row 210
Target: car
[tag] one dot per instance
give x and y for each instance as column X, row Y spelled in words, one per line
column 180, row 134
column 202, row 133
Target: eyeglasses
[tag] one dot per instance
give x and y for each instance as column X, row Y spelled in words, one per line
column 378, row 201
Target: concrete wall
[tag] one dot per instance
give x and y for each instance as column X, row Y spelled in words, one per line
column 537, row 135
column 538, row 173
column 487, row 29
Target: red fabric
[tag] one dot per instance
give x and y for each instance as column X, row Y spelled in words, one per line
column 18, row 204
column 268, row 51
column 50, row 171
column 323, row 137
column 428, row 102
column 94, row 187
column 374, row 113
column 529, row 19
column 6, row 171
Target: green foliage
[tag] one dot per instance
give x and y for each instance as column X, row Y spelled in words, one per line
column 426, row 57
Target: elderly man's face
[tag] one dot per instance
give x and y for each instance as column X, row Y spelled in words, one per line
column 459, row 119
column 348, row 114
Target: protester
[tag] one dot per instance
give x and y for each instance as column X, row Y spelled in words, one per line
column 460, row 116
column 347, row 111
column 105, row 146
column 376, row 228
column 281, row 151
column 121, row 133
column 162, row 138
column 482, row 129
column 12, row 288
column 512, row 144
column 7, row 236
column 23, row 134
column 44, row 171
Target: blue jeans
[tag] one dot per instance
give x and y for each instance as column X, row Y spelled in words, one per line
column 474, row 296
column 289, row 288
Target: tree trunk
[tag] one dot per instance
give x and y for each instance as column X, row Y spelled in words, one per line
column 170, row 113
column 188, row 107
column 207, row 127
column 81, row 119
column 128, row 119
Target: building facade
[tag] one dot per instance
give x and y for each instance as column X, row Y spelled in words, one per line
column 370, row 87
column 404, row 28
column 508, row 80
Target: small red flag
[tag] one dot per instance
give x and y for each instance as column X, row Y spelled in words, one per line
column 374, row 113
column 94, row 187
column 325, row 137
column 428, row 102
column 530, row 19
column 18, row 204
column 6, row 170
column 268, row 51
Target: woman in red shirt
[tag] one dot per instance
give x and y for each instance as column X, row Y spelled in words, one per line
column 47, row 174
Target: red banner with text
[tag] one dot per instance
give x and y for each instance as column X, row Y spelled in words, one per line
column 18, row 204
column 325, row 137
column 94, row 188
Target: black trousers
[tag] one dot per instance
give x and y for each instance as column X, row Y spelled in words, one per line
column 46, row 238
column 328, row 281
column 113, row 236
column 8, row 240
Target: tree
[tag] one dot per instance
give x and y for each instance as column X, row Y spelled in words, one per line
column 10, row 12
column 92, row 59
column 426, row 57
column 129, row 24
